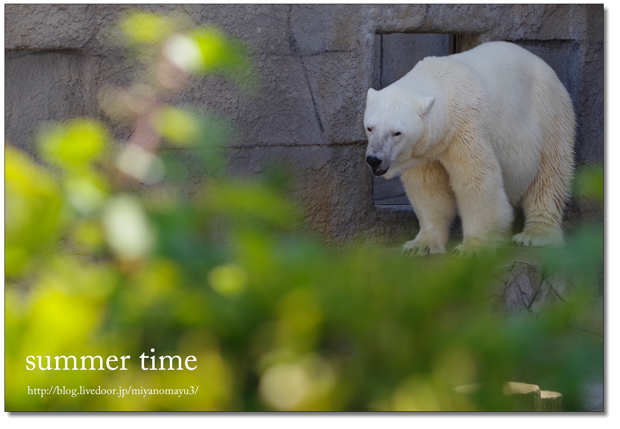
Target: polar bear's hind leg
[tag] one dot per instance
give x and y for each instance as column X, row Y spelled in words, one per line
column 544, row 201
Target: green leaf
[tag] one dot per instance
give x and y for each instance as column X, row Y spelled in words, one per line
column 75, row 144
column 177, row 125
column 146, row 27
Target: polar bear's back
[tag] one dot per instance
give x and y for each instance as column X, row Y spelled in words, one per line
column 499, row 57
column 514, row 81
column 509, row 77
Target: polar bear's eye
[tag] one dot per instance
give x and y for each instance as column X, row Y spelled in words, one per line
column 397, row 133
column 369, row 129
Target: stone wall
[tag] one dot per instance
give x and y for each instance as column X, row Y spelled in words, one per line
column 316, row 63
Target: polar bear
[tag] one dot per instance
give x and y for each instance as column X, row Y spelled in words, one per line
column 479, row 132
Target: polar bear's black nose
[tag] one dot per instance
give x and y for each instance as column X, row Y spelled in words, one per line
column 374, row 162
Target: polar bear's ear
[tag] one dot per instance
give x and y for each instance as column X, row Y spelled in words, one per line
column 425, row 104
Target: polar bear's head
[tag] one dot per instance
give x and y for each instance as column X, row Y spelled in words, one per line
column 395, row 124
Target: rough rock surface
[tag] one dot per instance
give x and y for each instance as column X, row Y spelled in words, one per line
column 54, row 86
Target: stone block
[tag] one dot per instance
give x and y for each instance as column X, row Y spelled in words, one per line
column 595, row 22
column 339, row 83
column 587, row 22
column 108, row 42
column 282, row 111
column 552, row 22
column 266, row 27
column 400, row 18
column 329, row 182
column 327, row 28
column 532, row 22
column 472, row 19
column 46, row 86
column 47, row 26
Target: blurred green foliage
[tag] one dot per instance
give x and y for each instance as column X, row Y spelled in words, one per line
column 144, row 28
column 590, row 183
column 276, row 319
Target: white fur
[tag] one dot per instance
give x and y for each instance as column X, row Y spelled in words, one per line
column 480, row 132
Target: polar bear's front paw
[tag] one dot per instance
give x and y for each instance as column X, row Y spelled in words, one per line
column 462, row 251
column 474, row 247
column 532, row 239
column 422, row 247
